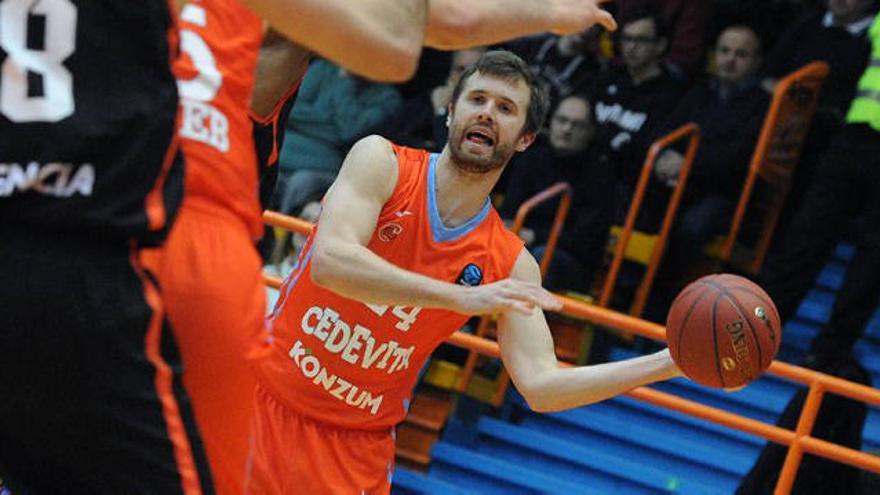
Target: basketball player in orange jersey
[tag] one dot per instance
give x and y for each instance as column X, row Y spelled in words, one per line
column 212, row 241
column 406, row 248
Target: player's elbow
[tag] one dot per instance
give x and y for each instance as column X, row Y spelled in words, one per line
column 402, row 59
column 322, row 272
column 540, row 403
column 450, row 25
column 537, row 396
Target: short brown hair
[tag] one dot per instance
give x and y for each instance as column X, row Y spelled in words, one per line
column 506, row 65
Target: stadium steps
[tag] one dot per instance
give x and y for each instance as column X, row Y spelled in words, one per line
column 678, row 450
column 421, row 428
column 407, row 482
column 667, row 435
column 485, row 474
column 589, row 465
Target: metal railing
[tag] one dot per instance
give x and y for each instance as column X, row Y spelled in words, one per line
column 799, row 441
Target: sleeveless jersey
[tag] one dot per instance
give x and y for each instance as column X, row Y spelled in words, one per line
column 220, row 43
column 353, row 365
column 88, row 107
column 268, row 139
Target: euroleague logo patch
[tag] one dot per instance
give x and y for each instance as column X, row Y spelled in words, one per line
column 390, row 231
column 470, row 275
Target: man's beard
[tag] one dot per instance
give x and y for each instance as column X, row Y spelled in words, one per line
column 477, row 164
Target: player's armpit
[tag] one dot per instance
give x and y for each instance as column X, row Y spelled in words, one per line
column 282, row 64
column 365, row 182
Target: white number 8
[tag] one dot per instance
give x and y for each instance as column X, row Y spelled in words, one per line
column 59, row 42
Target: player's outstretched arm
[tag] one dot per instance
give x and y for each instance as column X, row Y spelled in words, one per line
column 342, row 262
column 528, row 353
column 455, row 24
column 379, row 39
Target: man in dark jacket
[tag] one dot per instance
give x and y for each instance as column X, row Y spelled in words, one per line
column 631, row 101
column 729, row 108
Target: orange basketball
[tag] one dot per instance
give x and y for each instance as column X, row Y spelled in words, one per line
column 723, row 331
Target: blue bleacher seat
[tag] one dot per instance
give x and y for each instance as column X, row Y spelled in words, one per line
column 589, row 464
column 485, row 474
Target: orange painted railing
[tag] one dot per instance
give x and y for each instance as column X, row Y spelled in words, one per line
column 777, row 153
column 798, row 441
column 691, row 133
column 562, row 189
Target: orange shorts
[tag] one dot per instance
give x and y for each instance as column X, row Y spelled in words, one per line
column 295, row 455
column 210, row 276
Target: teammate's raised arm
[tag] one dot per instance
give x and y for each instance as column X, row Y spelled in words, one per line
column 528, row 353
column 455, row 24
column 379, row 39
column 382, row 39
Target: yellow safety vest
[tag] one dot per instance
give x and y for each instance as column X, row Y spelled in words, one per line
column 865, row 108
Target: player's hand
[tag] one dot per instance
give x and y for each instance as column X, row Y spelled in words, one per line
column 506, row 295
column 576, row 15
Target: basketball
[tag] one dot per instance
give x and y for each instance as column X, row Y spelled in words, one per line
column 723, row 331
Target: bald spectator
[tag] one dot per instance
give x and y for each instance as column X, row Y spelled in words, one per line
column 729, row 108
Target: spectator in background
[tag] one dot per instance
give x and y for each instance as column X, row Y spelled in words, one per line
column 729, row 108
column 847, row 183
column 687, row 21
column 565, row 155
column 835, row 36
column 563, row 65
column 421, row 121
column 334, row 109
column 631, row 101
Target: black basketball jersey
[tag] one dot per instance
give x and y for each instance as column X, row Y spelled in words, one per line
column 268, row 138
column 88, row 106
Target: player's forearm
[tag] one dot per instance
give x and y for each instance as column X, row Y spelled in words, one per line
column 356, row 272
column 559, row 388
column 379, row 39
column 455, row 24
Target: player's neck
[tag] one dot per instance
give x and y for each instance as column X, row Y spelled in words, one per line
column 460, row 195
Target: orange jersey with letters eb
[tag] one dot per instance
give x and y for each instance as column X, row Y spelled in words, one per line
column 353, row 365
column 220, row 43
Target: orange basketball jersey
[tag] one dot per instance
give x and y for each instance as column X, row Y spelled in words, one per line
column 220, row 43
column 353, row 365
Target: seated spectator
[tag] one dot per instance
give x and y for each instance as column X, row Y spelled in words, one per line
column 836, row 36
column 630, row 102
column 333, row 110
column 564, row 64
column 565, row 155
column 687, row 21
column 421, row 121
column 729, row 108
